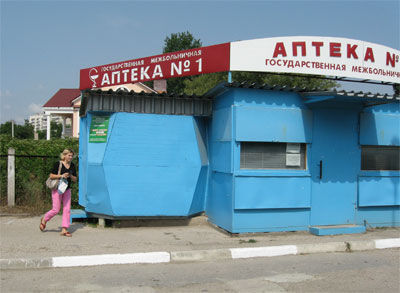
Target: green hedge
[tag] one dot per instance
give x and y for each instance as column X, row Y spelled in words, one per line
column 32, row 172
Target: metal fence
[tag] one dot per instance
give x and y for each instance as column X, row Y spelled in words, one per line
column 31, row 173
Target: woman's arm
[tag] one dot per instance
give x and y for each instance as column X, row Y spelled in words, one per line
column 55, row 176
column 74, row 178
column 72, row 173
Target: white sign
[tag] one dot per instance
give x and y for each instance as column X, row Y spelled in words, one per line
column 317, row 56
column 293, row 160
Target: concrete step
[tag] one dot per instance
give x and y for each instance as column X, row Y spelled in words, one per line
column 337, row 229
column 79, row 214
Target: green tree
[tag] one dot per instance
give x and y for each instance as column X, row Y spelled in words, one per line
column 55, row 131
column 178, row 42
column 20, row 131
column 42, row 134
column 25, row 131
column 201, row 84
column 396, row 88
column 5, row 128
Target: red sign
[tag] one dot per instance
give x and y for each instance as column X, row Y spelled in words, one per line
column 300, row 54
column 177, row 64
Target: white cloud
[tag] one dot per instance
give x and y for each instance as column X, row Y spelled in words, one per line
column 35, row 108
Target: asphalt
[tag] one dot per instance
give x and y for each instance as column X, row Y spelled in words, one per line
column 24, row 246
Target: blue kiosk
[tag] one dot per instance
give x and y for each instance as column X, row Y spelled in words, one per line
column 256, row 159
column 253, row 158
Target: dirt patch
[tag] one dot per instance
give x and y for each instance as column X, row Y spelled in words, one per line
column 20, row 211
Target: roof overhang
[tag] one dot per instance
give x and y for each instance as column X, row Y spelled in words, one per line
column 58, row 110
column 148, row 103
column 182, row 104
column 313, row 97
column 354, row 97
column 76, row 99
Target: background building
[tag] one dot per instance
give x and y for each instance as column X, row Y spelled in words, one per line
column 39, row 121
column 65, row 105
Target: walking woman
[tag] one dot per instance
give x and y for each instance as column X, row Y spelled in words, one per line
column 67, row 171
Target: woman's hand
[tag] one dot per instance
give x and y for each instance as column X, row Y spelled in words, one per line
column 65, row 175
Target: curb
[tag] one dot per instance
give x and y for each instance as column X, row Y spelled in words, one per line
column 197, row 255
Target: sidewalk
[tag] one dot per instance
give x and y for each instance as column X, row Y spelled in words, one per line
column 22, row 245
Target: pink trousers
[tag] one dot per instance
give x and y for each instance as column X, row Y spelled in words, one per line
column 66, row 201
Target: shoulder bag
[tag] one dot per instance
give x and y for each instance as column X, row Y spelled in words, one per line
column 53, row 183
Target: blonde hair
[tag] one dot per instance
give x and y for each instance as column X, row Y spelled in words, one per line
column 66, row 152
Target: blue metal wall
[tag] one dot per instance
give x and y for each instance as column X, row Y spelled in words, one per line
column 169, row 165
column 379, row 191
column 334, row 184
column 257, row 200
column 151, row 165
column 220, row 198
column 242, row 200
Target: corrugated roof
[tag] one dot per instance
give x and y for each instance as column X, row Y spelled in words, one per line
column 182, row 104
column 122, row 92
column 63, row 98
column 154, row 103
column 354, row 94
column 302, row 90
column 268, row 87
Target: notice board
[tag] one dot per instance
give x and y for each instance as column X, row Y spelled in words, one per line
column 99, row 129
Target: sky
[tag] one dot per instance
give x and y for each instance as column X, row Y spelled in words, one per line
column 44, row 44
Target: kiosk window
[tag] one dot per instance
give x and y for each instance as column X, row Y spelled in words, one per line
column 270, row 155
column 375, row 158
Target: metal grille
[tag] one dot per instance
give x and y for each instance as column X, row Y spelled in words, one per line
column 375, row 158
column 270, row 155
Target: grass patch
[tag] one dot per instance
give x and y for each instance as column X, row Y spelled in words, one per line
column 241, row 241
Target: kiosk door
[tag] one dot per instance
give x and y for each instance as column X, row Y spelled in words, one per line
column 335, row 161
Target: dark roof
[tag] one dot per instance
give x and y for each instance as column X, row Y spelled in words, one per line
column 152, row 103
column 63, row 98
column 122, row 92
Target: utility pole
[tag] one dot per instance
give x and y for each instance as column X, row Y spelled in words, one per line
column 12, row 128
column 11, row 178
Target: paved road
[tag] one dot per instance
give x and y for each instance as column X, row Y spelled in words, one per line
column 368, row 271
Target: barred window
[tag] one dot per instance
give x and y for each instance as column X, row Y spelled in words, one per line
column 376, row 158
column 271, row 155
